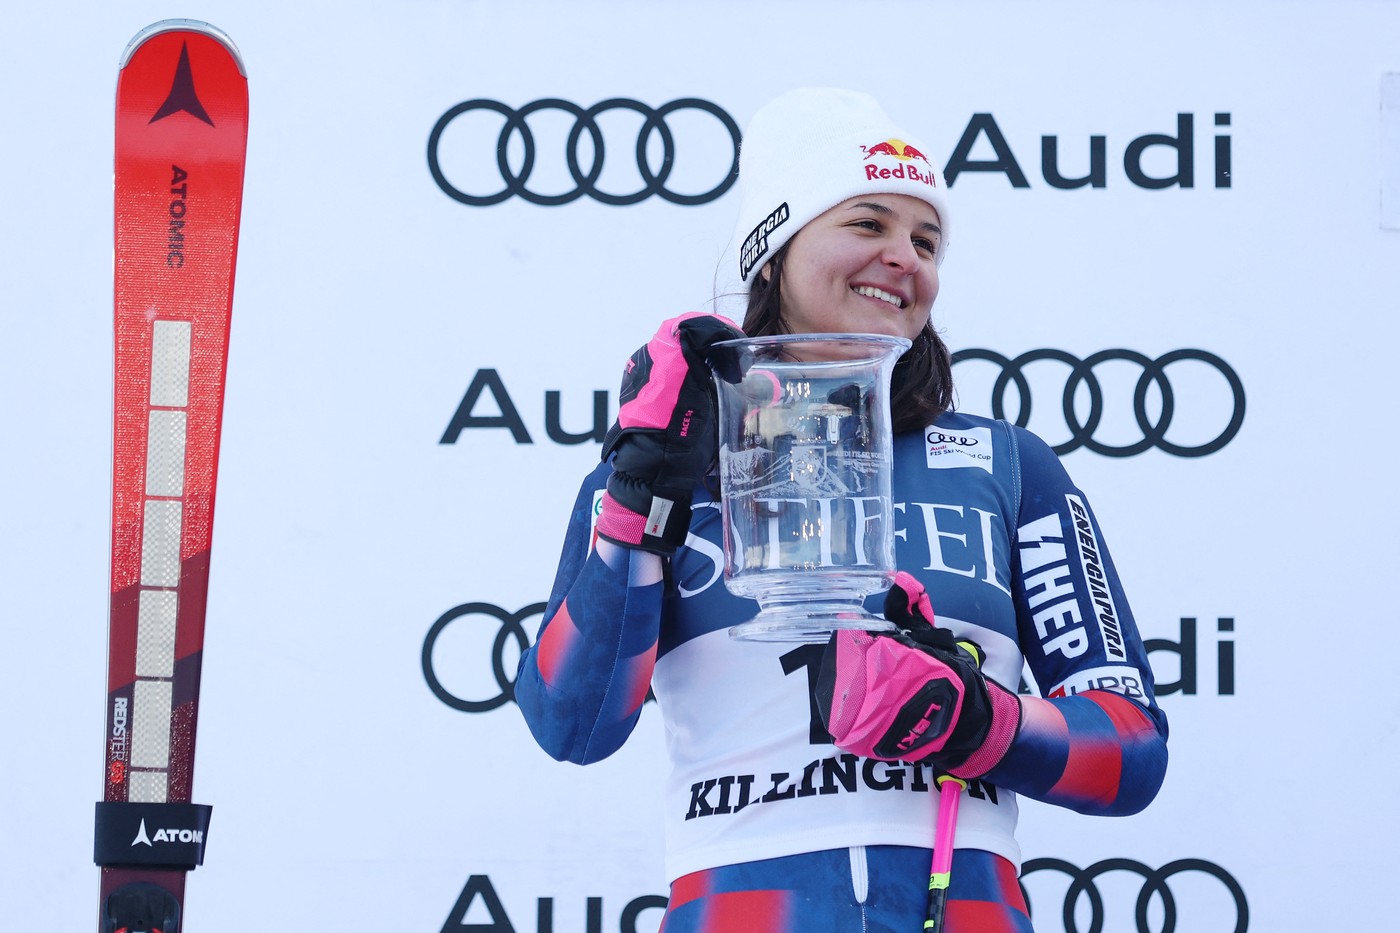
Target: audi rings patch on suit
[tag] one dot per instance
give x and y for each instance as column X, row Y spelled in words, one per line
column 585, row 159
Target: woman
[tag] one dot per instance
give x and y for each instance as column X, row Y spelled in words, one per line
column 780, row 814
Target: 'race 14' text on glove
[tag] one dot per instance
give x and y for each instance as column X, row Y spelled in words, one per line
column 915, row 693
column 665, row 435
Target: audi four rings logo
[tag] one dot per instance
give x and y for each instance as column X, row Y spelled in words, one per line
column 1154, row 887
column 585, row 179
column 938, row 437
column 510, row 630
column 1083, row 373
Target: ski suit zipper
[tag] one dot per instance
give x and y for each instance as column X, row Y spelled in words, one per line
column 860, row 882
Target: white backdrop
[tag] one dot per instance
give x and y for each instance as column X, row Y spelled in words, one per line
column 348, row 794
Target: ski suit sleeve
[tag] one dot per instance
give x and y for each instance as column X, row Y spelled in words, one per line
column 1095, row 740
column 582, row 684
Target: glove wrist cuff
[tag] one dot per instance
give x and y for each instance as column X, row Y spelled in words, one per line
column 661, row 530
column 1006, row 721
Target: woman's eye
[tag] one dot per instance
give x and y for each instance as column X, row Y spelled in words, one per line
column 925, row 244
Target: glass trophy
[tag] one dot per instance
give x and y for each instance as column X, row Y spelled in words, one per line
column 805, row 449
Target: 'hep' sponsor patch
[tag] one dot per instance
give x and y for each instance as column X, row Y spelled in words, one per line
column 951, row 449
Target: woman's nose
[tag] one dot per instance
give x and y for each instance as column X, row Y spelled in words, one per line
column 900, row 254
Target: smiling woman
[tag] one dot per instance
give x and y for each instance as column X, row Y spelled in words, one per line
column 865, row 266
column 803, row 780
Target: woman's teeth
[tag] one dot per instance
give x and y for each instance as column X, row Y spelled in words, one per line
column 870, row 291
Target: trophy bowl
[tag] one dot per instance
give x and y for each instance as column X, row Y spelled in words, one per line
column 805, row 449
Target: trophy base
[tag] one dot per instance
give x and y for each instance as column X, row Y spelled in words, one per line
column 810, row 623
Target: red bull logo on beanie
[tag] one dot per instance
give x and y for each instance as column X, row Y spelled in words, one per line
column 911, row 153
column 904, row 154
column 894, row 147
column 872, row 172
column 884, row 148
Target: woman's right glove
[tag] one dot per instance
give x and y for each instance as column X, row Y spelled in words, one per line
column 916, row 693
column 665, row 436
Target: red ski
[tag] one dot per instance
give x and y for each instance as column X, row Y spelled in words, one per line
column 181, row 134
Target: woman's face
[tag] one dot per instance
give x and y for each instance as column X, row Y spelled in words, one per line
column 865, row 266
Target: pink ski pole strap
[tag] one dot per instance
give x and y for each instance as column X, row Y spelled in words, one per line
column 907, row 604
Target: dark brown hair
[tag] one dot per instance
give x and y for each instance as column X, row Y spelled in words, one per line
column 922, row 386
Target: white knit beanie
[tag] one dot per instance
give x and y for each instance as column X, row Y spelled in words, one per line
column 812, row 148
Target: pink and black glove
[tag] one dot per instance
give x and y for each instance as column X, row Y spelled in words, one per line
column 665, row 435
column 915, row 693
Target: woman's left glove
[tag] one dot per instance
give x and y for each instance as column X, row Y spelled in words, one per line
column 916, row 693
column 665, row 435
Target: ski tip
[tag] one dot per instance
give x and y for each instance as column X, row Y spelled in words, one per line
column 183, row 25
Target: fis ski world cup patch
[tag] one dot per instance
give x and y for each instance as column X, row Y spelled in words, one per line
column 949, row 449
